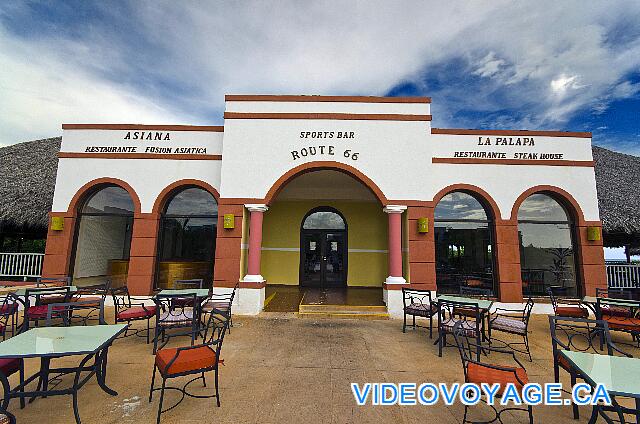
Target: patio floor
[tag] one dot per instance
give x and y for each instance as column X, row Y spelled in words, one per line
column 281, row 368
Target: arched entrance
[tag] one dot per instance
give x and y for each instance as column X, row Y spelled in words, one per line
column 103, row 237
column 323, row 249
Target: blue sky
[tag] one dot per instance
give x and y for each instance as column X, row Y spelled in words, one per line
column 570, row 65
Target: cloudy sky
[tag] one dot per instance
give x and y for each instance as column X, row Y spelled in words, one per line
column 500, row 64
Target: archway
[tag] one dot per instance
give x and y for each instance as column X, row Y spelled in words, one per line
column 187, row 236
column 546, row 232
column 463, row 232
column 103, row 237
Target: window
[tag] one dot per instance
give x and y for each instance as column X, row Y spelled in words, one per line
column 104, row 238
column 463, row 239
column 187, row 237
column 324, row 220
column 547, row 257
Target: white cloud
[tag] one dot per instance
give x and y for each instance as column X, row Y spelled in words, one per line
column 537, row 50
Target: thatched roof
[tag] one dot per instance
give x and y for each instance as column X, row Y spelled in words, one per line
column 27, row 178
column 618, row 195
column 28, row 173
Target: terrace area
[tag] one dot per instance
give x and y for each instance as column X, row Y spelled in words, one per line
column 282, row 368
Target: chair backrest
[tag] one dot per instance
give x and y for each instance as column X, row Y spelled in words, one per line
column 175, row 308
column 526, row 312
column 194, row 283
column 95, row 290
column 581, row 335
column 416, row 297
column 67, row 312
column 43, row 294
column 451, row 310
column 214, row 331
column 466, row 345
column 475, row 291
column 53, row 281
column 121, row 297
column 553, row 298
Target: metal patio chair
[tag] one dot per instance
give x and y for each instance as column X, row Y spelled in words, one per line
column 448, row 317
column 43, row 297
column 128, row 308
column 581, row 335
column 193, row 360
column 66, row 314
column 611, row 309
column 9, row 307
column 220, row 303
column 418, row 303
column 478, row 371
column 513, row 321
column 569, row 307
column 619, row 315
column 176, row 312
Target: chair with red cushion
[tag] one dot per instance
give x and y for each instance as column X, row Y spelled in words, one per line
column 8, row 314
column 191, row 361
column 478, row 371
column 220, row 303
column 569, row 307
column 176, row 315
column 582, row 335
column 53, row 282
column 128, row 308
column 36, row 301
column 8, row 367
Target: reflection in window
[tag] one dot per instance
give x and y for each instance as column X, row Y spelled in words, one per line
column 463, row 244
column 546, row 247
column 104, row 238
column 187, row 237
column 324, row 220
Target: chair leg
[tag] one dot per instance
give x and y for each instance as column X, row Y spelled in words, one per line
column 530, row 410
column 148, row 330
column 431, row 327
column 464, row 418
column 155, row 339
column 153, row 380
column 526, row 344
column 204, row 382
column 404, row 324
column 21, row 383
column 217, row 392
column 164, row 383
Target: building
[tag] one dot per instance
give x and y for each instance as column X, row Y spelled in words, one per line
column 327, row 191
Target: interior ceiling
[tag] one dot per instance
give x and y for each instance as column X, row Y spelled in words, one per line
column 326, row 185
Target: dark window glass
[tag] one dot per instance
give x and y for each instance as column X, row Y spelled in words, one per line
column 324, row 220
column 104, row 238
column 193, row 201
column 112, row 200
column 187, row 237
column 463, row 239
column 546, row 247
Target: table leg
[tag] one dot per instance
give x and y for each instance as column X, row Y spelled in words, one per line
column 43, row 381
column 76, row 385
column 101, row 372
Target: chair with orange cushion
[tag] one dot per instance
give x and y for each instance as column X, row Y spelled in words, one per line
column 477, row 371
column 612, row 309
column 191, row 361
column 620, row 315
column 582, row 335
column 128, row 308
column 569, row 307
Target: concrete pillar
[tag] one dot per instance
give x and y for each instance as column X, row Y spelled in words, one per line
column 395, row 244
column 255, row 243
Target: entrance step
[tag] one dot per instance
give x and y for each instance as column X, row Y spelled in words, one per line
column 343, row 311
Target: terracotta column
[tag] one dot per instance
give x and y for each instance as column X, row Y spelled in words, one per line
column 255, row 243
column 395, row 243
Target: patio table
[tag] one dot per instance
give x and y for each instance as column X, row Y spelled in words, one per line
column 48, row 343
column 22, row 291
column 185, row 292
column 620, row 376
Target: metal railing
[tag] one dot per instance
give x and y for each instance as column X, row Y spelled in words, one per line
column 21, row 264
column 622, row 276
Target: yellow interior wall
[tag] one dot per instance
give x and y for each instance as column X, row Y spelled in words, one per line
column 366, row 228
